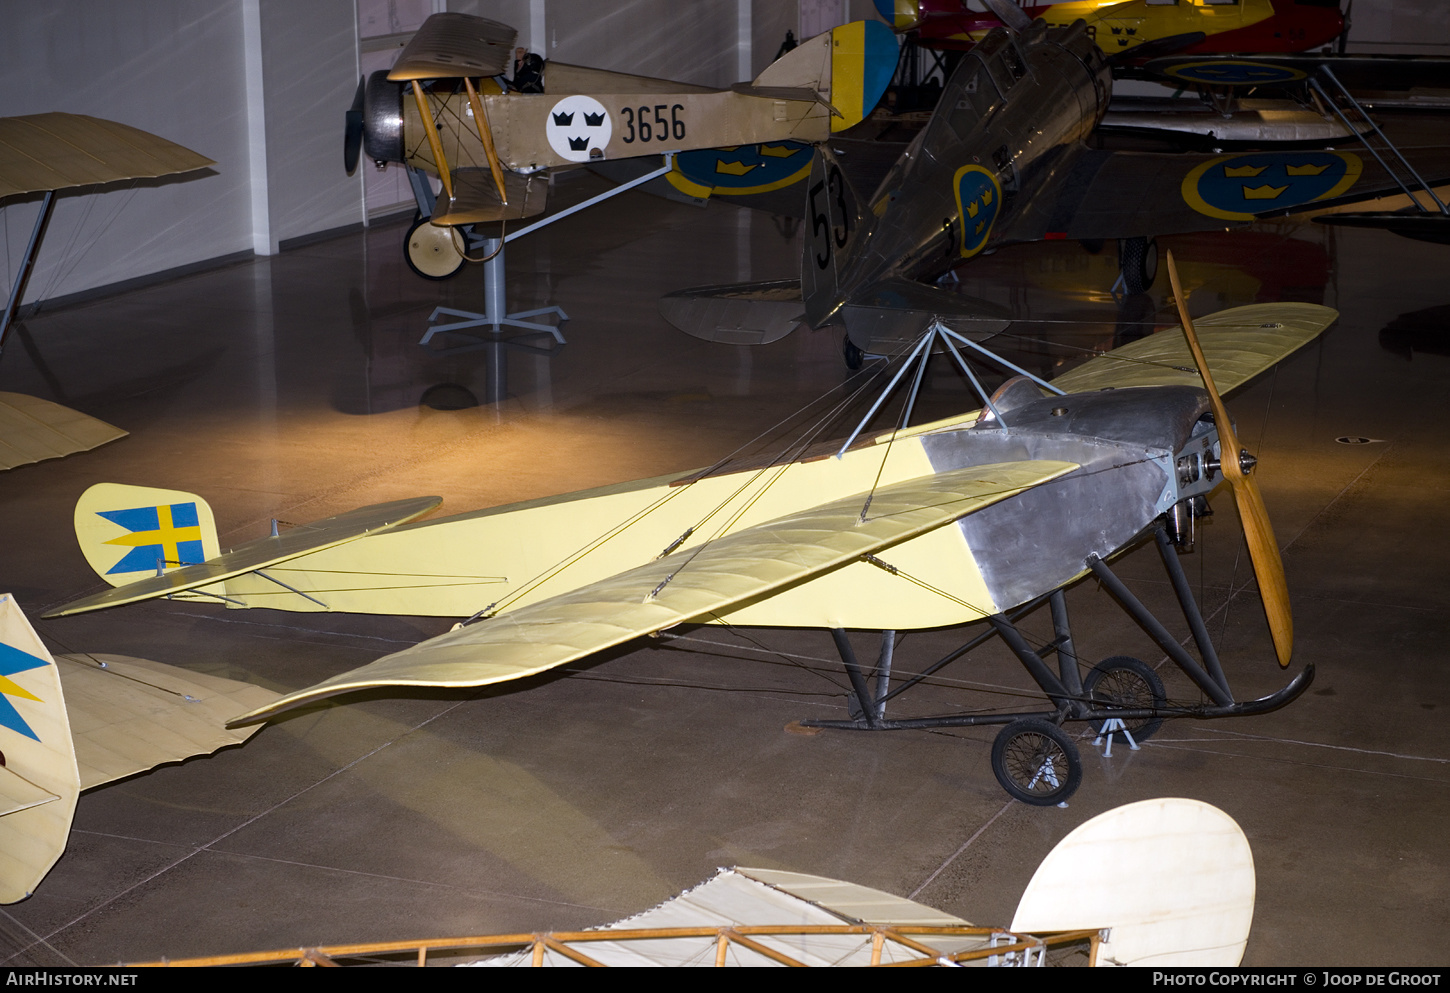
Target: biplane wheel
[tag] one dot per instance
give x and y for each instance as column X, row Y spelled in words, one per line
column 855, row 358
column 1036, row 762
column 433, row 251
column 1123, row 681
column 1138, row 260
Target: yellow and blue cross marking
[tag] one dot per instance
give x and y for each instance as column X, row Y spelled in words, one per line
column 167, row 535
column 13, row 660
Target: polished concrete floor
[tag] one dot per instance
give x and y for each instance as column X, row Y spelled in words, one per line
column 293, row 387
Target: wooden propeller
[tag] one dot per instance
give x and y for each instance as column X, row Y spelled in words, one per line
column 1263, row 550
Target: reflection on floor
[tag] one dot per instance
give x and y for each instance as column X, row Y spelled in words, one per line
column 293, row 387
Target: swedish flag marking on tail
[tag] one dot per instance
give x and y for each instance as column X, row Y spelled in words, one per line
column 13, row 660
column 168, row 535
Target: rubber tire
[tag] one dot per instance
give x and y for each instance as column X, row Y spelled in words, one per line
column 1018, row 757
column 855, row 358
column 1138, row 261
column 1130, row 683
column 432, row 251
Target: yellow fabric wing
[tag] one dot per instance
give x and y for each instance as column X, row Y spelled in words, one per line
column 1239, row 343
column 58, row 151
column 33, row 430
column 688, row 585
column 128, row 715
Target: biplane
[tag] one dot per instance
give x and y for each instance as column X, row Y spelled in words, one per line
column 1005, row 158
column 70, row 723
column 49, row 154
column 980, row 517
column 446, row 108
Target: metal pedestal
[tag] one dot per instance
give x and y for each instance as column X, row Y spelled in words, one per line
column 494, row 320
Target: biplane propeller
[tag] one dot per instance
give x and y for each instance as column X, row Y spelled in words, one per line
column 983, row 516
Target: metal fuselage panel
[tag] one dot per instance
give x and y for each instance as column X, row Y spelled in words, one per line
column 1128, row 443
column 1017, row 108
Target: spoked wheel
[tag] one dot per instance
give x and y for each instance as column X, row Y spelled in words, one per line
column 1036, row 762
column 1123, row 681
column 432, row 250
column 1138, row 259
column 854, row 357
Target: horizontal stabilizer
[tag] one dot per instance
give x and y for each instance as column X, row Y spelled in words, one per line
column 475, row 198
column 33, row 430
column 693, row 584
column 56, row 151
column 453, row 45
column 1239, row 343
column 128, row 715
column 737, row 314
column 260, row 554
column 891, row 315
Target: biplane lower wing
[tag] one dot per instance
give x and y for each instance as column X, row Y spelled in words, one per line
column 694, row 584
column 33, row 430
column 1122, row 194
column 80, row 721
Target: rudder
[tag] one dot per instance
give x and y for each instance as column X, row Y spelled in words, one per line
column 128, row 533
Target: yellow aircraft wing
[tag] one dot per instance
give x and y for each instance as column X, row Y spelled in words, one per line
column 687, row 585
column 128, row 715
column 58, row 151
column 33, row 430
column 1239, row 343
column 259, row 554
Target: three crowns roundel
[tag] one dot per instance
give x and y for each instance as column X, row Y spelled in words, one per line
column 576, row 126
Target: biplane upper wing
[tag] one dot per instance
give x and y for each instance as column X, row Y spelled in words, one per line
column 691, row 584
column 57, row 151
column 450, row 45
column 33, row 430
column 1239, row 343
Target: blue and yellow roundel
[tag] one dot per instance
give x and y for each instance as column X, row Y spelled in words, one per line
column 1236, row 187
column 979, row 200
column 1232, row 72
column 742, row 169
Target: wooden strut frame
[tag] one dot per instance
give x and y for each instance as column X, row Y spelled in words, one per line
column 743, row 935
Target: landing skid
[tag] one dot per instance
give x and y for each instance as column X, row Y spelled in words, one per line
column 1033, row 759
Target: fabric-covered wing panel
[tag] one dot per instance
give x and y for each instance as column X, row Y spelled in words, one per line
column 689, row 584
column 58, row 151
column 33, row 430
column 450, row 45
column 1239, row 343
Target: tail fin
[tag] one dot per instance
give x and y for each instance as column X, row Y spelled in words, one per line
column 838, row 226
column 39, row 780
column 128, row 533
column 849, row 67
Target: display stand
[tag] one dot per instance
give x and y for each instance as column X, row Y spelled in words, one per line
column 493, row 320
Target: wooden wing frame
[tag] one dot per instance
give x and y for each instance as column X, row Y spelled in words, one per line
column 688, row 585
